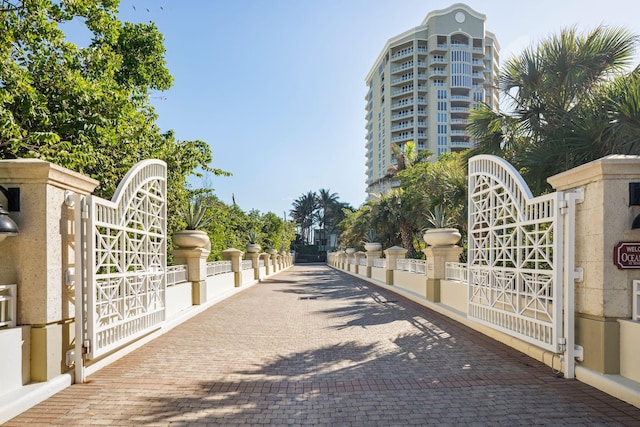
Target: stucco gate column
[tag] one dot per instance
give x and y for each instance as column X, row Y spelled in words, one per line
column 393, row 254
column 40, row 257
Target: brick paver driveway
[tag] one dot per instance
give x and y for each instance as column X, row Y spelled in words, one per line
column 316, row 346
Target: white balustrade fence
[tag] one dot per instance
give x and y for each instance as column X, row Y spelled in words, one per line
column 362, row 262
column 8, row 306
column 418, row 266
column 380, row 263
column 247, row 264
column 456, row 271
column 218, row 267
column 177, row 274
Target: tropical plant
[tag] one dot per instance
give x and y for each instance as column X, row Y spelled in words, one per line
column 304, row 214
column 570, row 100
column 253, row 237
column 195, row 214
column 327, row 203
column 371, row 236
column 395, row 214
column 437, row 218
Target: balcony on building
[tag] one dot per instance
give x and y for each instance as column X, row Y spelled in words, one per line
column 460, row 144
column 407, row 89
column 440, row 60
column 402, row 114
column 402, row 137
column 404, row 78
column 402, row 103
column 402, row 125
column 402, row 67
column 402, row 53
column 441, row 44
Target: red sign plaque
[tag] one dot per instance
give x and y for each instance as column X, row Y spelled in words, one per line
column 626, row 255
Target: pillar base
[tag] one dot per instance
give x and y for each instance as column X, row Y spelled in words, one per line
column 600, row 338
column 198, row 292
column 433, row 290
column 49, row 345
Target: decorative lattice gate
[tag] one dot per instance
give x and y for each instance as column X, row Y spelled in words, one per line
column 515, row 255
column 121, row 246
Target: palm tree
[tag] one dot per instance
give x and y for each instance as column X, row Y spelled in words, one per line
column 327, row 206
column 565, row 109
column 304, row 214
column 395, row 214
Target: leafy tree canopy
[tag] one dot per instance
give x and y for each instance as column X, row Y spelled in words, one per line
column 87, row 108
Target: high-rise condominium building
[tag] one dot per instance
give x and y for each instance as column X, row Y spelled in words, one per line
column 423, row 86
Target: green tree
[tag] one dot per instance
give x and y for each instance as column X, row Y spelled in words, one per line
column 327, row 204
column 87, row 108
column 570, row 100
column 304, row 214
column 440, row 185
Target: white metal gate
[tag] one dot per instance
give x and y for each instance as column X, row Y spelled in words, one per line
column 121, row 261
column 516, row 255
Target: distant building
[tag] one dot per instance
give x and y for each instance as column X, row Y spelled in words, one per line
column 423, row 85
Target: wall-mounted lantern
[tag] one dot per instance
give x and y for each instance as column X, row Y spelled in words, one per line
column 7, row 226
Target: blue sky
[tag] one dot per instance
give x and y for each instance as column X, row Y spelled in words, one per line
column 276, row 87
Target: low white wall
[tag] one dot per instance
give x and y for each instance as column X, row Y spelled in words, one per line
column 379, row 274
column 178, row 298
column 15, row 348
column 412, row 282
column 454, row 294
column 630, row 349
column 219, row 284
column 247, row 276
column 263, row 272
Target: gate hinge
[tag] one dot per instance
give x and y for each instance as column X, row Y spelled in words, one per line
column 562, row 344
column 86, row 346
column 85, row 212
column 578, row 274
column 578, row 353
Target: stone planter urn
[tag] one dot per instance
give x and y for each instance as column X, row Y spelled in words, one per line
column 441, row 236
column 189, row 239
column 253, row 248
column 372, row 246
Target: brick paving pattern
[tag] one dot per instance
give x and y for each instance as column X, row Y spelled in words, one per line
column 314, row 346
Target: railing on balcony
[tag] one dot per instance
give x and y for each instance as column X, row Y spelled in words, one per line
column 403, row 52
column 218, row 267
column 177, row 274
column 418, row 266
column 8, row 306
column 380, row 263
column 456, row 271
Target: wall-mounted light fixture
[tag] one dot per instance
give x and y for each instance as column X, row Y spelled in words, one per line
column 7, row 226
column 634, row 200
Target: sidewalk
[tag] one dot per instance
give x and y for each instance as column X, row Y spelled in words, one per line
column 313, row 346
